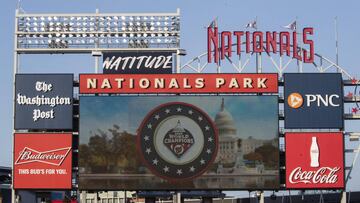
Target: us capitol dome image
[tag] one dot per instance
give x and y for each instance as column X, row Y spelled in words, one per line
column 233, row 146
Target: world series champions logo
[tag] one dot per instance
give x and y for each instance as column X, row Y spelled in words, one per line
column 177, row 141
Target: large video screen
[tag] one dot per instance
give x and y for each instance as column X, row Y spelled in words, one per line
column 178, row 142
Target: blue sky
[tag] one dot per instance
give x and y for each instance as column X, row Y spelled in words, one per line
column 232, row 14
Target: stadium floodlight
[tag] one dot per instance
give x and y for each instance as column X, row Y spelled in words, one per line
column 86, row 32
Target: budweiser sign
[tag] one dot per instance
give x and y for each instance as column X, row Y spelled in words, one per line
column 42, row 160
column 314, row 160
column 53, row 157
column 321, row 175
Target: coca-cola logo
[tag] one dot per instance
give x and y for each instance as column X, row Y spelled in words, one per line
column 52, row 157
column 322, row 175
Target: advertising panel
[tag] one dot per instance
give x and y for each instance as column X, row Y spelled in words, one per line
column 44, row 101
column 314, row 160
column 138, row 62
column 178, row 83
column 42, row 161
column 313, row 100
column 178, row 142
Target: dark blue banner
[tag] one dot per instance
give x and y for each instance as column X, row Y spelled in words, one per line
column 313, row 100
column 138, row 62
column 44, row 101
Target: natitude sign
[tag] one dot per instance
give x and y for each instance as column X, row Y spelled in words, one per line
column 138, row 62
column 314, row 160
column 42, row 161
column 178, row 83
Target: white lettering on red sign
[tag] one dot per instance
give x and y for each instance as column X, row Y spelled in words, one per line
column 52, row 157
column 326, row 175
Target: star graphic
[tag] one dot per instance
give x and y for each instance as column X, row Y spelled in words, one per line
column 208, row 151
column 210, row 139
column 354, row 81
column 192, row 169
column 190, row 112
column 146, row 138
column 155, row 162
column 179, row 172
column 166, row 169
column 157, row 116
column 200, row 118
column 167, row 111
column 207, row 128
column 148, row 150
column 149, row 126
column 350, row 95
column 354, row 110
column 202, row 161
column 179, row 109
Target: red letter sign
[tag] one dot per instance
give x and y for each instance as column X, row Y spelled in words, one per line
column 314, row 160
column 42, row 161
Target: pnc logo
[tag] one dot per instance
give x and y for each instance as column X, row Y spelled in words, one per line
column 295, row 100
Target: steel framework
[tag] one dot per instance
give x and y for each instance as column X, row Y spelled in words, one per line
column 100, row 32
column 281, row 64
column 94, row 33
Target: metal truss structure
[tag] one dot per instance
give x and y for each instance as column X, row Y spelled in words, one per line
column 94, row 33
column 108, row 32
column 84, row 33
column 282, row 64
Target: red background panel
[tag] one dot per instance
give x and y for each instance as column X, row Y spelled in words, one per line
column 331, row 154
column 209, row 81
column 42, row 142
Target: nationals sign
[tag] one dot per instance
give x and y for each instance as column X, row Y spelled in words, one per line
column 177, row 141
column 42, row 161
column 178, row 83
column 226, row 43
column 314, row 160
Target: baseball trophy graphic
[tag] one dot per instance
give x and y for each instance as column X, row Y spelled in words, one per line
column 177, row 141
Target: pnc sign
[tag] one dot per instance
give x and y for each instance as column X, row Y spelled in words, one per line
column 296, row 100
column 314, row 160
column 311, row 101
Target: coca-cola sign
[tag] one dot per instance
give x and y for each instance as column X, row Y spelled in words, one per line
column 321, row 175
column 314, row 160
column 42, row 161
